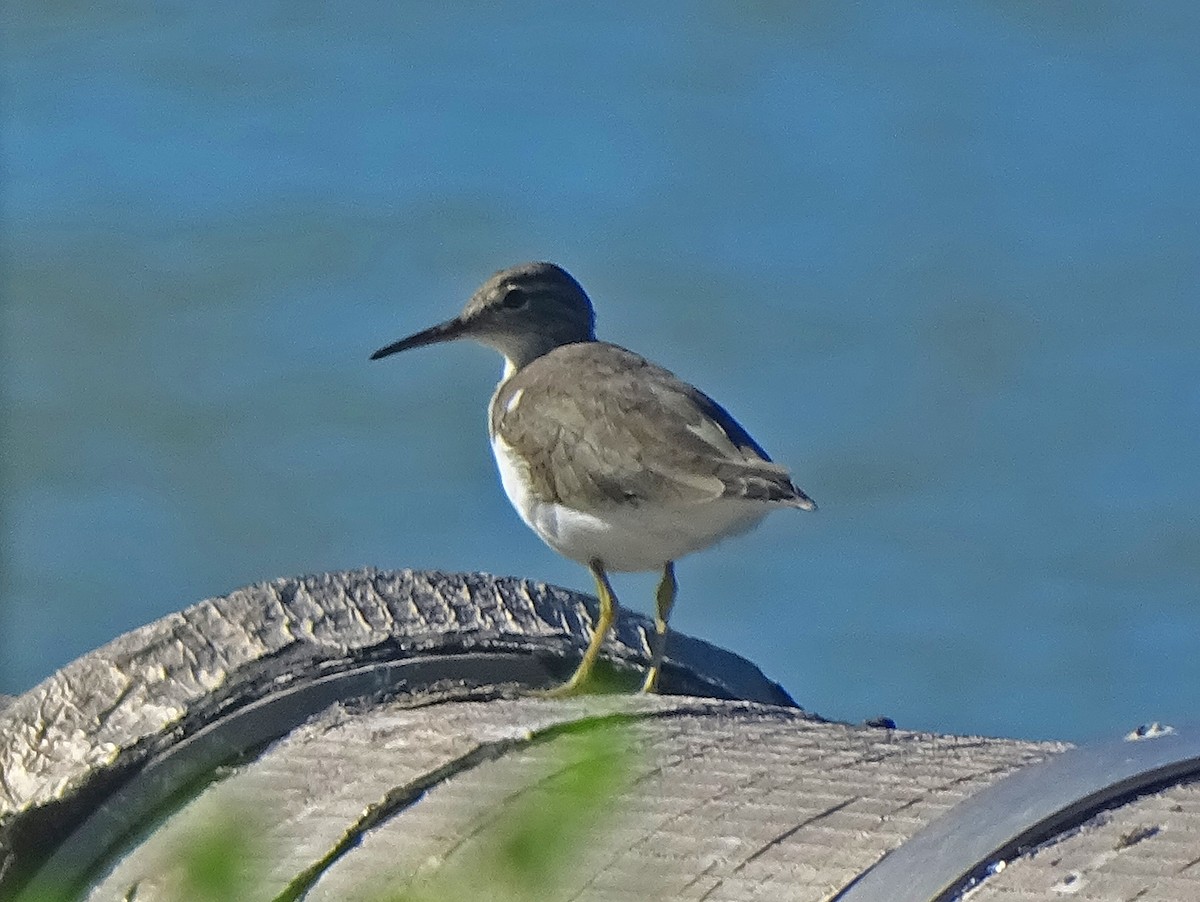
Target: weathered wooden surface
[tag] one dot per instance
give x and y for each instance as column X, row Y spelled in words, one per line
column 724, row 800
column 250, row 665
column 376, row 730
column 1147, row 849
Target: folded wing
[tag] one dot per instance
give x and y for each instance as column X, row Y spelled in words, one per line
column 637, row 435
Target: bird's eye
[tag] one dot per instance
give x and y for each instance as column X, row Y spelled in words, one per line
column 515, row 298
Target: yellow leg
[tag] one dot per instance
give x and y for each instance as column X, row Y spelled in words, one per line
column 608, row 613
column 664, row 600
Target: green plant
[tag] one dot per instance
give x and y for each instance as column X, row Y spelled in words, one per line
column 528, row 845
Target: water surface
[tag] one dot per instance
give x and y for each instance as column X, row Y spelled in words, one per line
column 940, row 259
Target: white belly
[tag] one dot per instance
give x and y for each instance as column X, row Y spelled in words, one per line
column 624, row 538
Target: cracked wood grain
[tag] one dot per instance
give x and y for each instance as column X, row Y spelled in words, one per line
column 396, row 800
column 79, row 736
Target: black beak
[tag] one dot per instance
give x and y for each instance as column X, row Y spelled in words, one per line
column 447, row 331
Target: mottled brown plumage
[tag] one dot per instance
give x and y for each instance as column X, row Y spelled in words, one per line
column 576, row 444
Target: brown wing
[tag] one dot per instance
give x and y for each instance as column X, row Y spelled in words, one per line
column 636, row 434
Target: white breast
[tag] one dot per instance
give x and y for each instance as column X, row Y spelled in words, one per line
column 623, row 537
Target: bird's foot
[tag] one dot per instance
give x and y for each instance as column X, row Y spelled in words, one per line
column 572, row 687
column 651, row 683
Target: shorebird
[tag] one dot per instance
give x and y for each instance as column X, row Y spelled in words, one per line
column 612, row 460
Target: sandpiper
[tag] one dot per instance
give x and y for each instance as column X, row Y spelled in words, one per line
column 613, row 461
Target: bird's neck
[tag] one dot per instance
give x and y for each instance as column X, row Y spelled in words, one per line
column 520, row 351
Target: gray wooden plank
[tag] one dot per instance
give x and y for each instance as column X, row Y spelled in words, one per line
column 1023, row 810
column 231, row 672
column 376, row 729
column 1147, row 849
column 725, row 799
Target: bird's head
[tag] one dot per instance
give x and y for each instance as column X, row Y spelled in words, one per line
column 523, row 312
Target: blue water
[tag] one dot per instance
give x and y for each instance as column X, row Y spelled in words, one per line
column 943, row 260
